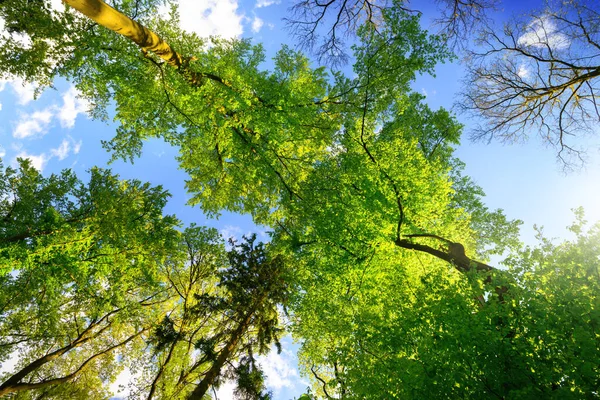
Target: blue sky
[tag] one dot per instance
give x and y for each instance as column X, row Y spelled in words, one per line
column 523, row 179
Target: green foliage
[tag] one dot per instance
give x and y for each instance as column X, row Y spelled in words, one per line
column 80, row 276
column 250, row 381
column 96, row 273
column 346, row 171
column 413, row 333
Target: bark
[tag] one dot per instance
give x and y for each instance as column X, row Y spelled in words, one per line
column 457, row 257
column 460, row 261
column 112, row 19
column 147, row 40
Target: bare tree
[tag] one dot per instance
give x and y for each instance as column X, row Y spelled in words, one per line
column 458, row 20
column 324, row 26
column 540, row 74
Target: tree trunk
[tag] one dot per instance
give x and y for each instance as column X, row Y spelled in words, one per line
column 112, row 19
column 147, row 40
column 225, row 353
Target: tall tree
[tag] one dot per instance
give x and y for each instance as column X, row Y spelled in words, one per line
column 256, row 284
column 269, row 124
column 224, row 315
column 169, row 366
column 79, row 282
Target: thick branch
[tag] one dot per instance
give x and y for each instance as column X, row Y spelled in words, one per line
column 453, row 255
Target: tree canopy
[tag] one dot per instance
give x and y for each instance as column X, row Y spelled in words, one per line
column 390, row 293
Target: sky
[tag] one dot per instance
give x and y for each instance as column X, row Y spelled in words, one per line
column 53, row 130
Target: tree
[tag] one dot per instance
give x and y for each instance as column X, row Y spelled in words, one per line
column 79, row 278
column 256, row 284
column 540, row 73
column 323, row 28
column 95, row 279
column 169, row 366
column 225, row 314
column 412, row 331
column 246, row 120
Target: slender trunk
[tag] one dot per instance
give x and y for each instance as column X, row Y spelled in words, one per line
column 225, row 354
column 160, row 372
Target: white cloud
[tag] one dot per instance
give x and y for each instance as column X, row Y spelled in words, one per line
column 66, row 147
column 257, row 23
column 61, row 151
column 72, row 106
column 57, row 5
column 523, row 72
column 2, row 151
column 226, row 390
column 25, row 91
column 76, row 147
column 230, row 231
column 211, row 17
column 266, row 3
column 280, row 369
column 38, row 162
column 33, row 124
column 543, row 32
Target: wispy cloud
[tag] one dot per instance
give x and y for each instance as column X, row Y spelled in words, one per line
column 266, row 3
column 257, row 23
column 36, row 123
column 61, row 151
column 72, row 107
column 542, row 32
column 39, row 161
